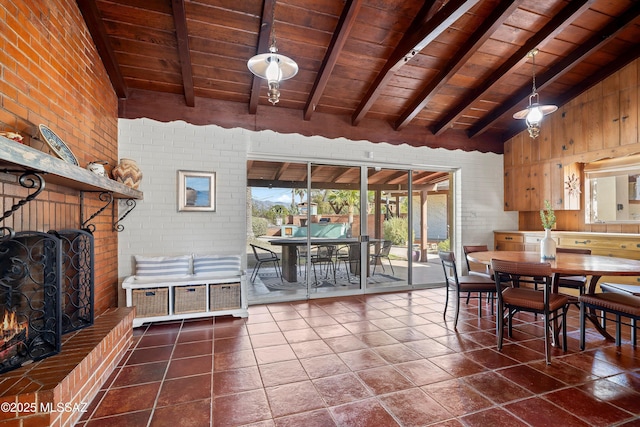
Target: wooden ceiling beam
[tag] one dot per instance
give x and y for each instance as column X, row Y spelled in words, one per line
column 412, row 43
column 497, row 17
column 341, row 173
column 398, row 178
column 558, row 23
column 281, row 170
column 339, row 38
column 430, row 178
column 263, row 46
column 100, row 37
column 560, row 67
column 182, row 35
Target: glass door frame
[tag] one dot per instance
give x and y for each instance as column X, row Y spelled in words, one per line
column 364, row 169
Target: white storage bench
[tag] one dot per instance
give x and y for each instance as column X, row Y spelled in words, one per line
column 185, row 287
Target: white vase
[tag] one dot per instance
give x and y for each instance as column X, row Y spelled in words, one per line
column 547, row 246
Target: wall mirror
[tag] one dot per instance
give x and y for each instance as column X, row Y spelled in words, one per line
column 612, row 190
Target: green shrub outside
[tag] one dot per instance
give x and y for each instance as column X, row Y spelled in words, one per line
column 395, row 229
column 259, row 225
column 444, row 246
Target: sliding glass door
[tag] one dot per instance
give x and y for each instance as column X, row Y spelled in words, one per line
column 340, row 229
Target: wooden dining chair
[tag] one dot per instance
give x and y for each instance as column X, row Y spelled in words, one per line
column 514, row 299
column 572, row 282
column 469, row 249
column 468, row 283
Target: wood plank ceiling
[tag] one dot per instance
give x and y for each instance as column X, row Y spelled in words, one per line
column 436, row 73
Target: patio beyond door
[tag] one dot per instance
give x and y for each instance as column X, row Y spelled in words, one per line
column 335, row 229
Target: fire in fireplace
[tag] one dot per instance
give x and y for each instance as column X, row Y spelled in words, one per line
column 30, row 272
column 46, row 290
column 14, row 336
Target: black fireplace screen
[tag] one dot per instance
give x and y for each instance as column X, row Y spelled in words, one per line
column 46, row 290
column 77, row 279
column 30, row 274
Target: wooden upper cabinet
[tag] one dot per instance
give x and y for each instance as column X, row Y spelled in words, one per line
column 526, row 187
column 556, row 178
column 517, row 149
column 611, row 120
column 509, row 196
column 629, row 116
column 628, row 103
column 508, row 153
column 591, row 125
column 602, row 122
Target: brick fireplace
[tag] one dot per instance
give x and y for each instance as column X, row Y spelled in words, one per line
column 76, row 99
column 55, row 391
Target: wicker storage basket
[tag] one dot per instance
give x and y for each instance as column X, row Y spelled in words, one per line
column 224, row 296
column 190, row 299
column 151, row 302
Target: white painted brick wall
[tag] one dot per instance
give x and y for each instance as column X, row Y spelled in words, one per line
column 155, row 227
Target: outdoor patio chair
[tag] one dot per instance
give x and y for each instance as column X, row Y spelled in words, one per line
column 264, row 255
column 470, row 284
column 323, row 257
column 514, row 299
column 351, row 259
column 382, row 253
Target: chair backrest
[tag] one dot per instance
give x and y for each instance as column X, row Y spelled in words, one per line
column 325, row 252
column 582, row 251
column 266, row 252
column 506, row 272
column 469, row 249
column 385, row 248
column 448, row 260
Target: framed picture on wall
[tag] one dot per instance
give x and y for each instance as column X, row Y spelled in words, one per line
column 196, row 191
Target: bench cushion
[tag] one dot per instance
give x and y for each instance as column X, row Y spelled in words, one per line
column 611, row 301
column 214, row 265
column 162, row 267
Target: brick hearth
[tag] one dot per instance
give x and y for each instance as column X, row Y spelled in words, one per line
column 70, row 379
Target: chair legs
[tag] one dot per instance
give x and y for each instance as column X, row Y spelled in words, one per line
column 256, row 269
column 548, row 330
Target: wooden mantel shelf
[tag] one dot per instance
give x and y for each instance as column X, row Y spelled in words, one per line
column 16, row 156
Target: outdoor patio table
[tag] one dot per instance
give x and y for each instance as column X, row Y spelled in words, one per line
column 289, row 251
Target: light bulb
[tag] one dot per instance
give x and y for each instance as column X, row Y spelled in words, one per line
column 273, row 73
column 534, row 116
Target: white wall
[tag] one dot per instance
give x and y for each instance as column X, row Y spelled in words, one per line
column 155, row 227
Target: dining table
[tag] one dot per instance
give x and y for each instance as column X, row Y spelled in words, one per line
column 571, row 264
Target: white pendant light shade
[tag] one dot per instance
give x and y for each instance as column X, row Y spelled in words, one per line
column 274, row 68
column 534, row 113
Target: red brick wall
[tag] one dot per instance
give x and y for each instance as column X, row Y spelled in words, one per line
column 50, row 73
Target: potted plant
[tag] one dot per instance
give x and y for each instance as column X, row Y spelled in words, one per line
column 547, row 244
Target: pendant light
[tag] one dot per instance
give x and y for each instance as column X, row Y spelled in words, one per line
column 534, row 113
column 272, row 66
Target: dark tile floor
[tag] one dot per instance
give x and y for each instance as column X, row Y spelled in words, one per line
column 375, row 360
